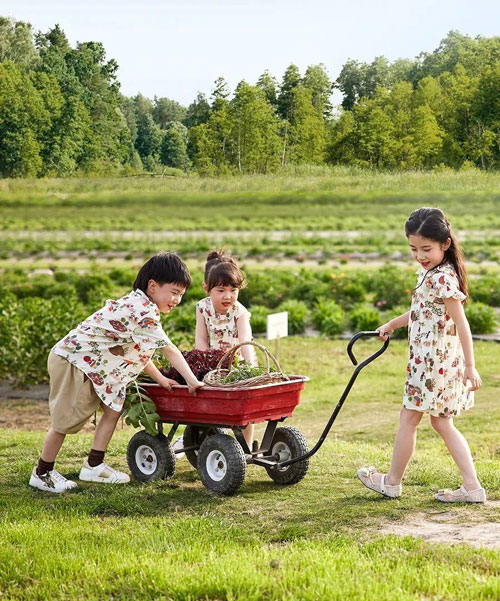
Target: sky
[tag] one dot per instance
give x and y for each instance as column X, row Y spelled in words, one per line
column 177, row 48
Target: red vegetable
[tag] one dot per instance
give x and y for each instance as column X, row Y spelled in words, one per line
column 200, row 362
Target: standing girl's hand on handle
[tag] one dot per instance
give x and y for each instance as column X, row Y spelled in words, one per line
column 385, row 331
column 471, row 374
column 388, row 328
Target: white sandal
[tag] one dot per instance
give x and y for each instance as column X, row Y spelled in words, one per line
column 461, row 495
column 365, row 475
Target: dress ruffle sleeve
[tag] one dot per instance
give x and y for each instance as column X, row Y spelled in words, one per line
column 445, row 285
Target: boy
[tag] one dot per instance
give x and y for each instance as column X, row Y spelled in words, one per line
column 95, row 362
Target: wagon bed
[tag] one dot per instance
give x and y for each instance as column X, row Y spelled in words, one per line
column 227, row 406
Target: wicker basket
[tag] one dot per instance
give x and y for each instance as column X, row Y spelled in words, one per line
column 214, row 377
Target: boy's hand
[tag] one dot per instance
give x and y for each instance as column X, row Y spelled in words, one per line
column 193, row 386
column 385, row 330
column 167, row 383
column 471, row 374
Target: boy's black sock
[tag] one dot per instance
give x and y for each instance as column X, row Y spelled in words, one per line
column 95, row 457
column 44, row 466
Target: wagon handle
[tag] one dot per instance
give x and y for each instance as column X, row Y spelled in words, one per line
column 359, row 335
column 347, row 389
column 232, row 351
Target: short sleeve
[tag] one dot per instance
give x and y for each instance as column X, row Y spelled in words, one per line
column 240, row 310
column 445, row 285
column 149, row 333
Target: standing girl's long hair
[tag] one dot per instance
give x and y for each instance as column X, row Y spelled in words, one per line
column 431, row 223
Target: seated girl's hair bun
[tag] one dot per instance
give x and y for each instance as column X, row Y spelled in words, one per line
column 216, row 257
column 217, row 254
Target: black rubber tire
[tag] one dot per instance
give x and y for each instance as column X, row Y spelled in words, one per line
column 294, row 444
column 159, row 463
column 196, row 435
column 223, row 452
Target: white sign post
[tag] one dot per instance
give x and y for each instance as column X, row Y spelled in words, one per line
column 277, row 327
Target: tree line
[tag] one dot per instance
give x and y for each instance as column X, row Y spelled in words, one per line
column 62, row 113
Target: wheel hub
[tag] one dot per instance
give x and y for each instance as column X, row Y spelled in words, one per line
column 146, row 460
column 281, row 452
column 216, row 465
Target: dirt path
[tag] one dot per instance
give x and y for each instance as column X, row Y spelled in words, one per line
column 444, row 527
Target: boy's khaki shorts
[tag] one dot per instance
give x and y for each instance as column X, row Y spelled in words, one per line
column 72, row 397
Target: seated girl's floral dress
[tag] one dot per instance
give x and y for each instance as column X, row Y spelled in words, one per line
column 222, row 328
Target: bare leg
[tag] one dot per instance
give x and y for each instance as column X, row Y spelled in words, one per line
column 459, row 449
column 404, row 445
column 105, row 428
column 52, row 445
column 248, row 434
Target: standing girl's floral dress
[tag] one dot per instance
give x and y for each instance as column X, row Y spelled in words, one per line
column 435, row 372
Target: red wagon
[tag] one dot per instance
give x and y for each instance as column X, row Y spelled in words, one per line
column 221, row 459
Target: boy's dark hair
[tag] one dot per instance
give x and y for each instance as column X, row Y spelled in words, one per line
column 164, row 268
column 223, row 270
column 431, row 223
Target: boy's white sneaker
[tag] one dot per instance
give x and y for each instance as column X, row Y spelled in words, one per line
column 102, row 473
column 51, row 482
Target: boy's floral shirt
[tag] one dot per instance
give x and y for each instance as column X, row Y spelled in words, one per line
column 435, row 371
column 115, row 344
column 222, row 328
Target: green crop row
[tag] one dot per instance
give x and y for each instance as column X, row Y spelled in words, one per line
column 37, row 311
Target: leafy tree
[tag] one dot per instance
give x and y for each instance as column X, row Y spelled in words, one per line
column 174, row 146
column 220, row 92
column 198, row 111
column 210, row 142
column 166, row 110
column 268, row 84
column 16, row 43
column 149, row 139
column 24, row 119
column 254, row 131
column 351, row 82
column 374, row 134
column 316, row 79
column 307, row 131
column 291, row 79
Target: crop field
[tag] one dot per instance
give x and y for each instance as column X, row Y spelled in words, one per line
column 328, row 247
column 332, row 216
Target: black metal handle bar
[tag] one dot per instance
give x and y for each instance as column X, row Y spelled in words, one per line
column 333, row 417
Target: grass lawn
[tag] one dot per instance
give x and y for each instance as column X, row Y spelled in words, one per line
column 319, row 539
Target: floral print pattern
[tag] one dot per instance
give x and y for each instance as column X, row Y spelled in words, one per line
column 222, row 328
column 115, row 344
column 435, row 371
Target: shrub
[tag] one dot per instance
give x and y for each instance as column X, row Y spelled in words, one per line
column 364, row 317
column 395, row 312
column 259, row 318
column 482, row 319
column 297, row 315
column 486, row 290
column 181, row 318
column 328, row 317
column 391, row 286
column 28, row 329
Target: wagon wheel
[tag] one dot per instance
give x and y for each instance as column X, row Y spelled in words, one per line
column 288, row 443
column 195, row 435
column 222, row 464
column 150, row 457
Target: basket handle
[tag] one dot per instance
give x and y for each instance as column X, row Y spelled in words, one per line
column 231, row 352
